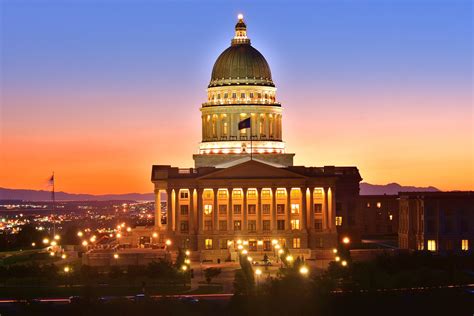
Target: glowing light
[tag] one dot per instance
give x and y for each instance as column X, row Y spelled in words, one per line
column 119, row 235
column 116, row 256
column 53, row 243
column 239, row 242
column 129, row 229
column 80, row 234
column 346, row 240
column 33, row 244
column 168, row 242
column 240, row 16
column 187, row 252
column 63, row 256
column 277, row 246
column 57, row 237
column 245, row 242
column 289, row 258
column 240, row 247
column 84, row 243
column 274, row 242
column 184, row 268
column 249, row 259
column 258, row 272
column 244, row 252
column 187, row 261
column 344, row 263
column 260, row 242
column 334, row 250
column 155, row 235
column 337, row 258
column 280, row 251
column 51, row 254
column 304, row 270
column 67, row 269
column 46, row 241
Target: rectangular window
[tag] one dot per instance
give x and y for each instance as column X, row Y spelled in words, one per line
column 184, row 194
column 338, row 220
column 252, row 193
column 208, row 209
column 218, row 95
column 242, row 95
column 252, row 225
column 318, row 225
column 295, row 208
column 432, row 245
column 252, row 209
column 237, row 209
column 252, row 245
column 226, row 95
column 465, row 244
column 296, row 243
column 251, row 95
column 222, row 225
column 234, row 95
column 184, row 210
column 318, row 193
column 224, row 243
column 266, row 193
column 281, row 224
column 184, row 226
column 280, row 208
column 208, row 243
column 222, row 194
column 295, row 224
column 267, row 245
column 237, row 194
column 318, row 208
column 266, row 225
column 259, row 95
column 208, row 193
column 237, row 225
column 281, row 193
column 207, row 225
column 266, row 209
column 222, row 209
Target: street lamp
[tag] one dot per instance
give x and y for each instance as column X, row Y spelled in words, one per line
column 57, row 237
column 249, row 259
column 289, row 258
column 45, row 241
column 80, row 234
column 337, row 258
column 84, row 243
column 63, row 256
column 33, row 244
column 304, row 270
column 67, row 269
column 168, row 242
column 184, row 268
column 344, row 263
column 116, row 255
column 187, row 252
column 346, row 240
column 334, row 250
column 244, row 252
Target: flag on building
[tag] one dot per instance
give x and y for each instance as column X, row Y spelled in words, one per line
column 244, row 124
column 51, row 180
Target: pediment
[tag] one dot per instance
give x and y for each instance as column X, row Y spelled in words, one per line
column 252, row 170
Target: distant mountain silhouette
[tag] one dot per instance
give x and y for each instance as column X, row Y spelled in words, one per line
column 391, row 189
column 41, row 195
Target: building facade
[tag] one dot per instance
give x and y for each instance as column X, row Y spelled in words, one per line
column 377, row 216
column 436, row 221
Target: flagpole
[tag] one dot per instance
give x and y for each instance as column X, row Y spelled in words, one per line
column 54, row 207
column 251, row 138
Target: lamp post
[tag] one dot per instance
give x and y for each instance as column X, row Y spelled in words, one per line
column 258, row 272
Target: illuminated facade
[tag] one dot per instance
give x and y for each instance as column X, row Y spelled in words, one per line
column 241, row 87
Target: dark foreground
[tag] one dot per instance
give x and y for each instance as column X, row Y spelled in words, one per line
column 433, row 302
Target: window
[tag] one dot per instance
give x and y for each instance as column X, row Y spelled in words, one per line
column 280, row 208
column 295, row 208
column 184, row 194
column 252, row 193
column 379, row 204
column 208, row 193
column 267, row 245
column 222, row 209
column 318, row 208
column 432, row 245
column 208, row 243
column 184, row 210
column 207, row 225
column 266, row 193
column 234, row 95
column 296, row 243
column 218, row 95
column 281, row 193
column 251, row 95
column 368, row 205
column 226, row 95
column 295, row 224
column 318, row 193
column 237, row 194
column 252, row 225
column 266, row 209
column 252, row 245
column 252, row 209
column 237, row 225
column 465, row 244
column 207, row 209
column 237, row 209
column 266, row 225
column 338, row 220
column 259, row 95
column 390, row 217
column 242, row 95
column 281, row 224
column 318, row 225
column 184, row 226
column 224, row 243
column 222, row 194
column 222, row 225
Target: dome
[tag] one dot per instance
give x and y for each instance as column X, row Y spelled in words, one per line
column 241, row 63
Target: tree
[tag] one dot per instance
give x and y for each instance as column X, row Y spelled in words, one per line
column 244, row 282
column 210, row 273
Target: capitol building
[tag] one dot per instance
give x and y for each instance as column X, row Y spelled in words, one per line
column 244, row 192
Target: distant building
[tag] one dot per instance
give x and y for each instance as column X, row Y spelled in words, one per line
column 436, row 221
column 377, row 216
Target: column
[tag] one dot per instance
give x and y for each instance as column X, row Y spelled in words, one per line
column 215, row 212
column 200, row 209
column 267, row 126
column 230, row 227
column 244, row 210
column 311, row 208
column 325, row 209
column 157, row 209
column 259, row 209
column 288, row 209
column 218, row 126
column 191, row 211
column 177, row 211
column 332, row 213
column 258, row 119
column 304, row 208
column 169, row 211
column 274, row 207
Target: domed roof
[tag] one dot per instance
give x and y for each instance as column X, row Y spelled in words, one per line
column 241, row 63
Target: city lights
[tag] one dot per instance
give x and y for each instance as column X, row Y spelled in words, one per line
column 116, row 255
column 346, row 240
column 258, row 272
column 85, row 243
column 168, row 242
column 155, row 235
column 249, row 259
column 67, row 269
column 289, row 258
column 244, row 252
column 184, row 268
column 334, row 250
column 304, row 270
column 80, row 234
column 33, row 244
column 45, row 241
column 187, row 252
column 337, row 258
column 63, row 256
column 344, row 263
column 57, row 237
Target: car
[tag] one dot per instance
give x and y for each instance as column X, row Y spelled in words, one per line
column 188, row 299
column 262, row 263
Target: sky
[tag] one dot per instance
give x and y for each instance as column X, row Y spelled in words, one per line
column 99, row 90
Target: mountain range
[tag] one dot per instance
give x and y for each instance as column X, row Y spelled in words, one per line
column 41, row 195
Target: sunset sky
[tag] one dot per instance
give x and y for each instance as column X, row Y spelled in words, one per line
column 98, row 91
